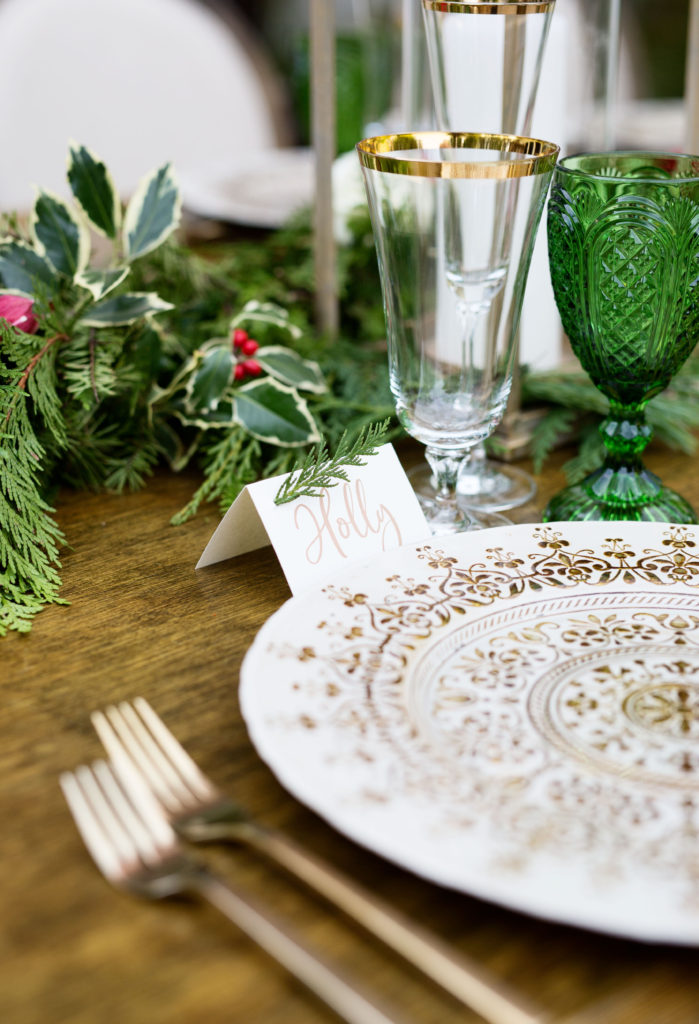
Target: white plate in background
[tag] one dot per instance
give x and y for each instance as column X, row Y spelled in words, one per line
column 260, row 190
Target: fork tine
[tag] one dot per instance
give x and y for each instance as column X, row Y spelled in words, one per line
column 112, row 827
column 178, row 756
column 108, row 857
column 138, row 814
column 126, row 745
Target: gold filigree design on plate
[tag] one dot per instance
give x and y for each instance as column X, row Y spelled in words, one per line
column 666, row 706
column 552, row 694
column 414, row 606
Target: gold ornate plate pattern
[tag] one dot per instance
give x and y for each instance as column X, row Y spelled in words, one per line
column 513, row 713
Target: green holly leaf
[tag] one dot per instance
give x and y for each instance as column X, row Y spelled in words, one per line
column 94, row 190
column 208, row 383
column 59, row 235
column 23, row 270
column 169, row 444
column 266, row 313
column 153, row 212
column 272, row 412
column 100, row 282
column 288, row 367
column 125, row 309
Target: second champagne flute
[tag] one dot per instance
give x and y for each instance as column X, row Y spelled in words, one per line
column 485, row 60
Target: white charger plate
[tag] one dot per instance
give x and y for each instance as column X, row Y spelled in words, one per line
column 512, row 713
column 262, row 189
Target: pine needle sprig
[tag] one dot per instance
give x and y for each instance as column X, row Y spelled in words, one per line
column 130, row 474
column 559, row 422
column 589, row 456
column 573, row 389
column 231, row 463
column 319, row 470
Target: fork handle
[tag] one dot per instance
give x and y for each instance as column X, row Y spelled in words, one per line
column 466, row 980
column 273, row 937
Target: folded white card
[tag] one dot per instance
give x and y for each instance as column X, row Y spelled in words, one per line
column 375, row 510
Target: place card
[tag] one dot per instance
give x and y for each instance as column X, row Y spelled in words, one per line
column 375, row 510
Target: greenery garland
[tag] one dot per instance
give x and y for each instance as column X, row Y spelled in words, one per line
column 140, row 351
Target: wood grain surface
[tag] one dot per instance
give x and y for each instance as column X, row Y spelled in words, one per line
column 142, row 621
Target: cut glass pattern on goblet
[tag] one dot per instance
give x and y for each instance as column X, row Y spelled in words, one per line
column 623, row 234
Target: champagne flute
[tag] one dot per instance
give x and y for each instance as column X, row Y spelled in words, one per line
column 454, row 216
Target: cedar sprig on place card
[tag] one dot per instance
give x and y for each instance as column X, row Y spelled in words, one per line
column 319, row 470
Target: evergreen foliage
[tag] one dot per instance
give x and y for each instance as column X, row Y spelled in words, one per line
column 133, row 366
column 321, row 470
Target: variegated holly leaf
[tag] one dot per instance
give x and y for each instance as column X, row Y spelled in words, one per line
column 207, row 384
column 23, row 270
column 267, row 313
column 153, row 212
column 170, row 445
column 100, row 282
column 288, row 367
column 147, row 346
column 272, row 412
column 94, row 190
column 59, row 235
column 125, row 309
column 207, row 419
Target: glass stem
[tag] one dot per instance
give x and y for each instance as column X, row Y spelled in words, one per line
column 623, row 481
column 626, row 434
column 445, row 468
column 470, row 314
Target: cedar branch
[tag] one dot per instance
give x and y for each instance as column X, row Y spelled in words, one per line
column 22, row 382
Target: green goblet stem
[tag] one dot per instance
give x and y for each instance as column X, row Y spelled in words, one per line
column 622, row 488
column 625, row 431
column 623, row 481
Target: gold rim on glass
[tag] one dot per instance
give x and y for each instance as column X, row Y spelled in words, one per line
column 383, row 153
column 489, row 6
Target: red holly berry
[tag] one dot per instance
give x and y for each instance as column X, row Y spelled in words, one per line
column 239, row 371
column 249, row 347
column 251, row 367
column 239, row 337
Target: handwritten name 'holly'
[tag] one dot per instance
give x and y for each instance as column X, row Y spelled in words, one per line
column 353, row 520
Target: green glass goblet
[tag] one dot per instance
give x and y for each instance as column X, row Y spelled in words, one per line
column 623, row 234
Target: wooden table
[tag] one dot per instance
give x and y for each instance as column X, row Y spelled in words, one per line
column 141, row 621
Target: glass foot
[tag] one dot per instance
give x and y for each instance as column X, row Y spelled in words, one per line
column 495, row 486
column 423, row 483
column 578, row 503
column 495, row 489
column 443, row 520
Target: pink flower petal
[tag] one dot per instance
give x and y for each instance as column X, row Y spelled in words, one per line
column 18, row 312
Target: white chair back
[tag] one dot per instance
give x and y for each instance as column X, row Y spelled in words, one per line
column 137, row 81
